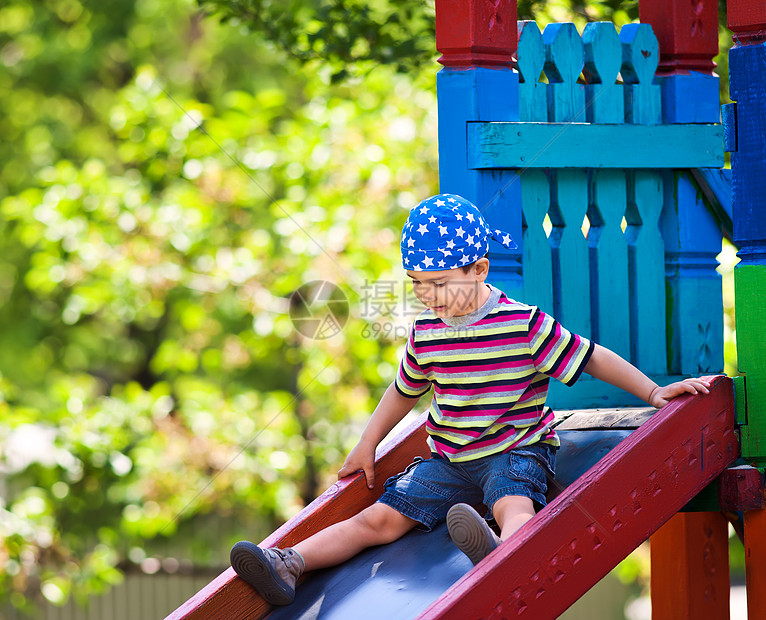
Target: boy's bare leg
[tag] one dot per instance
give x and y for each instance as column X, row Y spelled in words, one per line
column 376, row 525
column 511, row 512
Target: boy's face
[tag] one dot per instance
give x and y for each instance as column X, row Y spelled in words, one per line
column 451, row 292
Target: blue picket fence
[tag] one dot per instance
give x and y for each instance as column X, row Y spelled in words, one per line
column 591, row 169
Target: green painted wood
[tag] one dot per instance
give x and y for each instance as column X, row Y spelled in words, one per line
column 563, row 64
column 603, row 54
column 740, row 395
column 750, row 292
column 537, row 262
column 640, row 57
column 531, row 58
column 646, row 272
column 586, row 145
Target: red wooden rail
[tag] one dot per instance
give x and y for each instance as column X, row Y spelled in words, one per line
column 602, row 516
column 229, row 598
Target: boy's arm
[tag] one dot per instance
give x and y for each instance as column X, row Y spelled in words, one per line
column 389, row 412
column 610, row 367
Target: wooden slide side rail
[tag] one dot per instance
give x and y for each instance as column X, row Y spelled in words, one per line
column 229, row 598
column 605, row 514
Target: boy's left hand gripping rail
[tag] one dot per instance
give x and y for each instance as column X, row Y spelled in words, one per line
column 228, row 597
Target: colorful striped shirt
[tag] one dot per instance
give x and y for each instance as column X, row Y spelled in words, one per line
column 490, row 375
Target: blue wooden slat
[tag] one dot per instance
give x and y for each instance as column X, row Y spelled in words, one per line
column 729, row 122
column 563, row 64
column 586, row 145
column 646, row 272
column 536, row 261
column 695, row 312
column 610, row 301
column 571, row 281
column 531, row 58
column 564, row 59
column 603, row 56
column 691, row 98
column 747, row 68
column 479, row 94
column 715, row 185
column 640, row 56
column 609, row 297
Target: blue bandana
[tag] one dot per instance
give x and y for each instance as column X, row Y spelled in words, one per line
column 446, row 232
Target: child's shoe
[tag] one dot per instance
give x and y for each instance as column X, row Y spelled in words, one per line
column 273, row 572
column 470, row 532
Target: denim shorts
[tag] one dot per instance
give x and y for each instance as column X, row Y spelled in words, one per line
column 428, row 488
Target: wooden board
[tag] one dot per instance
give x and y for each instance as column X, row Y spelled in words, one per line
column 690, row 568
column 586, row 145
column 615, row 417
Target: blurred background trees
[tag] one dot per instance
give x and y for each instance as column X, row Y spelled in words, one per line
column 170, row 173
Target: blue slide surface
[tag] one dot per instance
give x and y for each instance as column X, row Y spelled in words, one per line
column 400, row 580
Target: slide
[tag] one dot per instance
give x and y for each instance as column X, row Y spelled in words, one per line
column 615, row 488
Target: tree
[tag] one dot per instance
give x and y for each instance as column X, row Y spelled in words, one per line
column 161, row 196
column 355, row 36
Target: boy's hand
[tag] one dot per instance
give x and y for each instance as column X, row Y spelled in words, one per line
column 362, row 457
column 660, row 396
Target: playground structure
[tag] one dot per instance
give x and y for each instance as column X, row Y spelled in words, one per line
column 637, row 166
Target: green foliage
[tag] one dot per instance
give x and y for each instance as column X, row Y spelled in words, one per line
column 355, row 36
column 165, row 184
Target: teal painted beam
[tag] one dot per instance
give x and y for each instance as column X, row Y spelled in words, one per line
column 587, row 145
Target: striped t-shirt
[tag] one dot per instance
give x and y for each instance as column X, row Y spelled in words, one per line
column 490, row 373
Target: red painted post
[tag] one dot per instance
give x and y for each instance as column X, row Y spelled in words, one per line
column 690, row 568
column 687, row 32
column 747, row 21
column 476, row 33
column 755, row 563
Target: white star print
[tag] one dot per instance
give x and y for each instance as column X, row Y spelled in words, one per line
column 410, row 242
column 439, row 202
column 424, row 209
column 460, row 232
column 428, row 262
column 441, row 263
column 432, row 219
column 442, row 230
column 422, row 229
column 469, row 217
column 469, row 239
column 450, row 244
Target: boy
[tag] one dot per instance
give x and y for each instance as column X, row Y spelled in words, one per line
column 489, row 360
